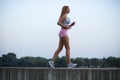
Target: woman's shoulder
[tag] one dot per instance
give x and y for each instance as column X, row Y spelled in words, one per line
column 64, row 16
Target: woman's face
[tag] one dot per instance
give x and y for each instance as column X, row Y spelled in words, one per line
column 68, row 10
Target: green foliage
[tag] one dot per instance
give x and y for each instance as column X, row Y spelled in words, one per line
column 95, row 62
column 80, row 62
column 61, row 62
column 10, row 60
column 113, row 62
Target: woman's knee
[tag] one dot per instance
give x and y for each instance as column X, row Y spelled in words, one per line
column 67, row 48
column 66, row 42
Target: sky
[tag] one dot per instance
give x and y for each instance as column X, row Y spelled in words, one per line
column 29, row 27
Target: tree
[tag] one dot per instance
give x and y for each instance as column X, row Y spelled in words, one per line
column 9, row 59
column 33, row 61
column 113, row 62
column 95, row 62
column 80, row 62
column 61, row 62
column 87, row 62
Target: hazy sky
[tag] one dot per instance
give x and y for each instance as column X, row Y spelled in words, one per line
column 28, row 27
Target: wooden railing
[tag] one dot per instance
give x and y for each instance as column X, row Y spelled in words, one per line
column 37, row 73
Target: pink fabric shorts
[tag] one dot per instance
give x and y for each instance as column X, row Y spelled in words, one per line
column 62, row 33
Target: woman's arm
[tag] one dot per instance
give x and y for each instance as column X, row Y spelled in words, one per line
column 72, row 24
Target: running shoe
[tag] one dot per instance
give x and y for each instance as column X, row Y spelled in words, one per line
column 71, row 65
column 51, row 63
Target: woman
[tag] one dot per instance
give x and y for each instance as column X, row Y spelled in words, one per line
column 64, row 22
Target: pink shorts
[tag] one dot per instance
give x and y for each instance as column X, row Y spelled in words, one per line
column 62, row 33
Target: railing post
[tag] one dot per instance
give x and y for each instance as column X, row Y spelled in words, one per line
column 102, row 74
column 110, row 75
column 89, row 74
column 3, row 74
column 50, row 75
column 19, row 75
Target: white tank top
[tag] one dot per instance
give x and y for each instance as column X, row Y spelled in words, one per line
column 66, row 21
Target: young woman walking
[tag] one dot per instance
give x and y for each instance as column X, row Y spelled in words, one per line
column 64, row 23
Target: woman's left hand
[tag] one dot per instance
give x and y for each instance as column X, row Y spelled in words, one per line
column 72, row 24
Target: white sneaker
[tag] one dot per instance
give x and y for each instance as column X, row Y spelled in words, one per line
column 71, row 65
column 51, row 63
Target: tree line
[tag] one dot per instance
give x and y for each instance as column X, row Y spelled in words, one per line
column 10, row 60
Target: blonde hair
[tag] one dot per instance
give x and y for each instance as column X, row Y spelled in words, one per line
column 64, row 9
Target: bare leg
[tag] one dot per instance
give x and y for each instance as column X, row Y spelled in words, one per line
column 60, row 46
column 67, row 46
